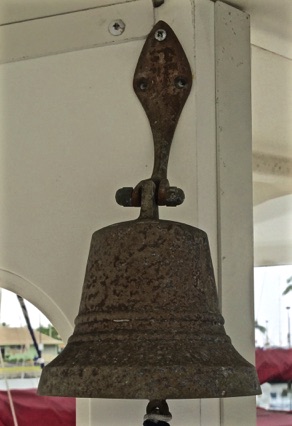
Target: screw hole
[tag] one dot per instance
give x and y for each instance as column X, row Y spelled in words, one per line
column 142, row 84
column 180, row 82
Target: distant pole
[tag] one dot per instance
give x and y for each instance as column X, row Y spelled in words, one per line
column 289, row 327
column 267, row 343
column 26, row 317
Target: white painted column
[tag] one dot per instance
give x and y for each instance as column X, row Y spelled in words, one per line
column 73, row 132
column 234, row 180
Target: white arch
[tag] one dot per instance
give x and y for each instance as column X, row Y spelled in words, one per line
column 19, row 285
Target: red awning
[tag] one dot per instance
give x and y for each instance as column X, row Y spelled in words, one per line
column 274, row 365
column 33, row 410
column 271, row 418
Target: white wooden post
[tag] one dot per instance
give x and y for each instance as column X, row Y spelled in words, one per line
column 234, row 180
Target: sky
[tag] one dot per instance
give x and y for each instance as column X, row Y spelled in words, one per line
column 11, row 313
column 269, row 305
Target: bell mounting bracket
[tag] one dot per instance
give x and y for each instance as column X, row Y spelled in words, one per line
column 162, row 82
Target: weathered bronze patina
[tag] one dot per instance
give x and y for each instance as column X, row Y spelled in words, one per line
column 149, row 324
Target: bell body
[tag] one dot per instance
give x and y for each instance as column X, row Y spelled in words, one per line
column 149, row 324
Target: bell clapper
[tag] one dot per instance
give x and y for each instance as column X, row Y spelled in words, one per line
column 157, row 413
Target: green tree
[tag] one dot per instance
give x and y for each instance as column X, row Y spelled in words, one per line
column 49, row 331
column 289, row 288
column 261, row 328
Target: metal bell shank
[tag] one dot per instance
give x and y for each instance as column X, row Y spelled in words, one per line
column 149, row 325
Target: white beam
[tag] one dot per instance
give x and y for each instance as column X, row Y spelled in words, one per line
column 74, row 31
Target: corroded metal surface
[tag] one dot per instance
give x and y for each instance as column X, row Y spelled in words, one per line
column 162, row 82
column 149, row 325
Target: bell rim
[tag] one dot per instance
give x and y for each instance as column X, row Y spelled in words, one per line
column 177, row 382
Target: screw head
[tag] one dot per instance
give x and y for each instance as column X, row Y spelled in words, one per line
column 117, row 27
column 160, row 35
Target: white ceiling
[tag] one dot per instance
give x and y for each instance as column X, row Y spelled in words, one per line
column 271, row 24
